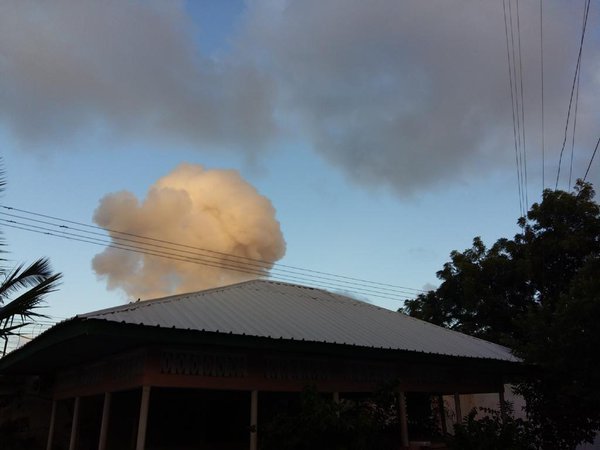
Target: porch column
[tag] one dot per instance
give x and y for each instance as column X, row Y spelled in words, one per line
column 104, row 424
column 253, row 420
column 459, row 416
column 75, row 424
column 442, row 415
column 51, row 429
column 143, row 422
column 502, row 403
column 403, row 419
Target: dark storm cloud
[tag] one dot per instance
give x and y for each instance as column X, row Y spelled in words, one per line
column 404, row 94
column 414, row 93
column 124, row 68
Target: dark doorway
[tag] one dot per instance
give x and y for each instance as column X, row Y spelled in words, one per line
column 194, row 419
column 123, row 422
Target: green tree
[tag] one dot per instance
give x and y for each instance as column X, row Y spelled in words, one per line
column 493, row 431
column 22, row 292
column 319, row 423
column 538, row 293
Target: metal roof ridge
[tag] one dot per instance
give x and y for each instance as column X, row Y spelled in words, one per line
column 131, row 306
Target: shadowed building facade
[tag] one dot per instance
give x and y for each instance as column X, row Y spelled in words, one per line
column 204, row 370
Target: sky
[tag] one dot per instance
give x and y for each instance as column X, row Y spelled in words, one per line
column 361, row 139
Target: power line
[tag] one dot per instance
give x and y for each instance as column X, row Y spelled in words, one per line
column 27, row 332
column 239, row 269
column 258, row 268
column 512, row 104
column 522, row 109
column 591, row 159
column 575, row 115
column 145, row 240
column 349, row 284
column 517, row 109
column 542, row 88
column 574, row 128
column 577, row 68
column 158, row 253
column 514, row 98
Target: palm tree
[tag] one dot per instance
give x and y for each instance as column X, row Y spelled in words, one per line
column 22, row 291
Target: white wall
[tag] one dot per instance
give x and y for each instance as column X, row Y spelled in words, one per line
column 490, row 401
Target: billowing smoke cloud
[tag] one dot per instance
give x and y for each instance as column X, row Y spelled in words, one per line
column 405, row 94
column 205, row 209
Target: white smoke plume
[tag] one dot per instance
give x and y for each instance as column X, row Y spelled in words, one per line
column 206, row 209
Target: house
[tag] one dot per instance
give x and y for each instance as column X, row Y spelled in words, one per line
column 205, row 369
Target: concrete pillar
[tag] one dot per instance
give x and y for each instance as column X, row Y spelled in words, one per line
column 51, row 429
column 403, row 419
column 442, row 415
column 75, row 424
column 253, row 420
column 104, row 424
column 459, row 415
column 502, row 403
column 143, row 421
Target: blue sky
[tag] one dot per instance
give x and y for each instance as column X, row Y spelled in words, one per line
column 381, row 146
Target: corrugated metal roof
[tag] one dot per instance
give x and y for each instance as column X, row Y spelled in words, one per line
column 279, row 310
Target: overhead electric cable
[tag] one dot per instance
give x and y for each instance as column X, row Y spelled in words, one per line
column 574, row 129
column 517, row 107
column 512, row 104
column 524, row 157
column 150, row 249
column 74, row 237
column 577, row 66
column 182, row 258
column 542, row 88
column 591, row 160
column 199, row 249
column 575, row 114
column 207, row 259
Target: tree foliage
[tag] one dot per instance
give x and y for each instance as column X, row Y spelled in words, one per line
column 492, row 431
column 538, row 293
column 319, row 423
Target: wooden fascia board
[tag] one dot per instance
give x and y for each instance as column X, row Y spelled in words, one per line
column 145, row 335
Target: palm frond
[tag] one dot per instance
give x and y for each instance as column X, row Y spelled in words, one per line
column 37, row 280
column 10, row 331
column 20, row 278
column 26, row 304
